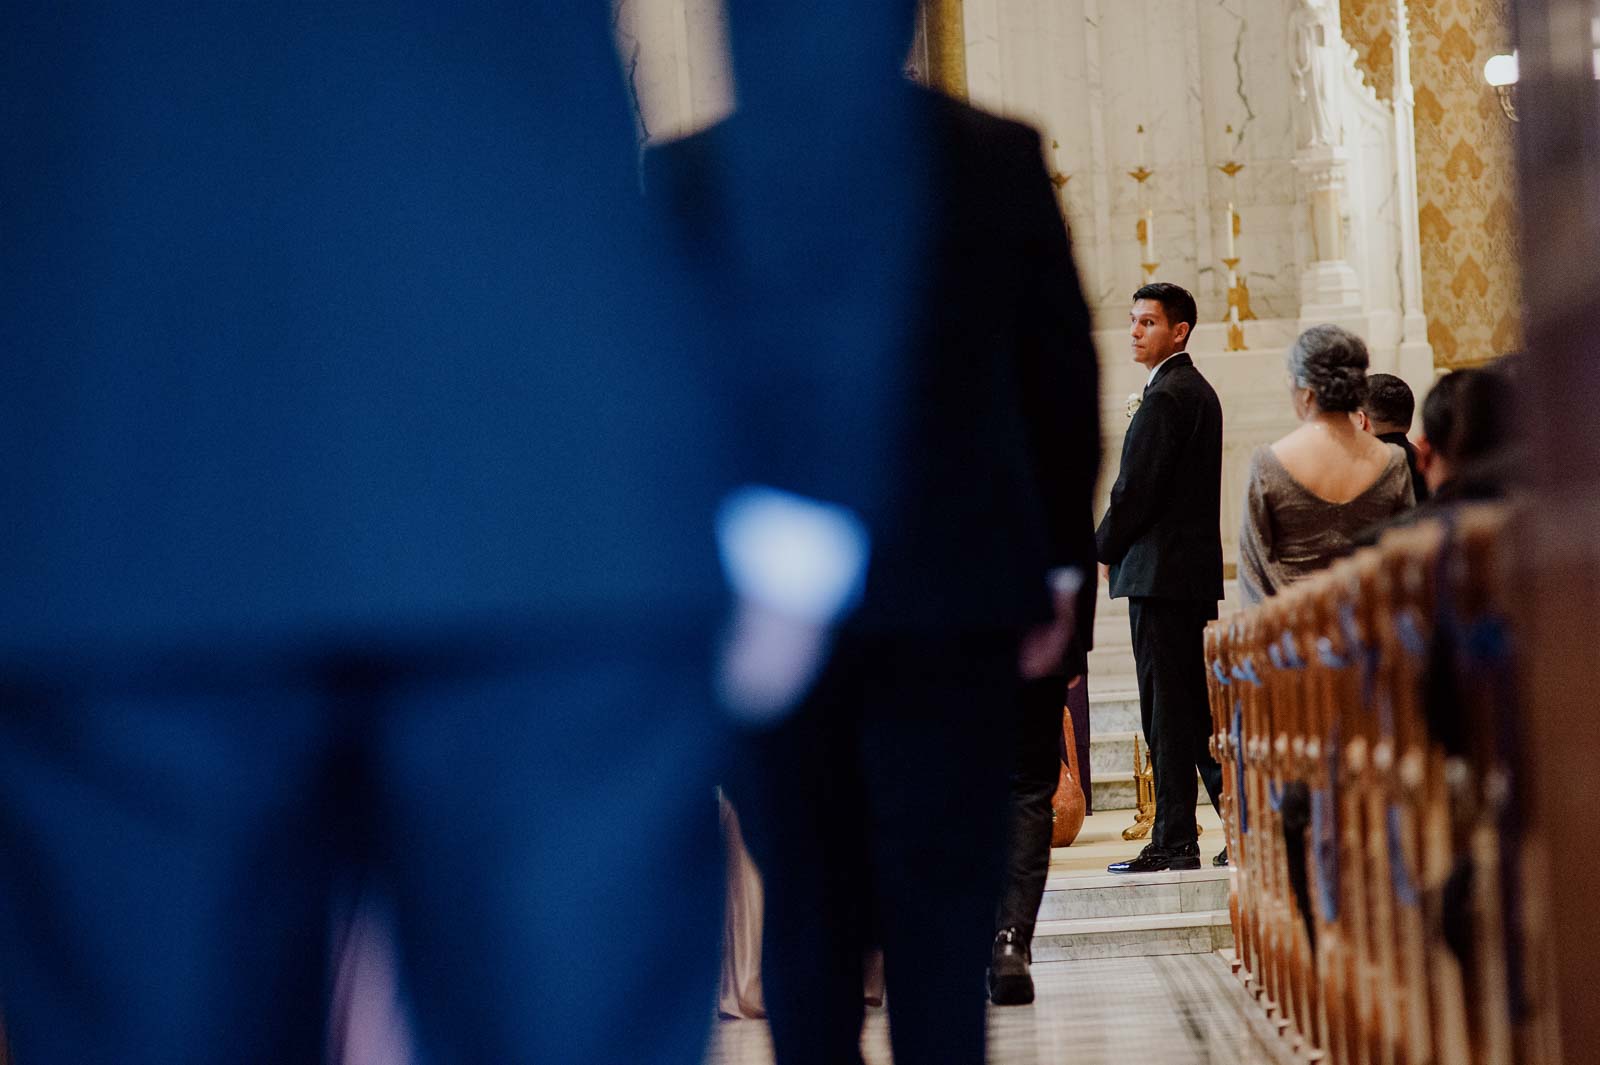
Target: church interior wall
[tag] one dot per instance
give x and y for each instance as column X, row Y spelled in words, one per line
column 1211, row 82
column 1465, row 166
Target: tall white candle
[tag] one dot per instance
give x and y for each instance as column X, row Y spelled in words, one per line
column 1231, row 253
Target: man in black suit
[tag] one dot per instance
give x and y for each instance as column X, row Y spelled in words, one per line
column 877, row 812
column 1387, row 414
column 1161, row 539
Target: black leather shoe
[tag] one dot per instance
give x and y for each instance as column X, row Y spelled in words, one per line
column 1010, row 983
column 1221, row 859
column 1155, row 859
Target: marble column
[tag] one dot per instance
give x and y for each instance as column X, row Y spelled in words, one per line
column 1415, row 362
column 1330, row 291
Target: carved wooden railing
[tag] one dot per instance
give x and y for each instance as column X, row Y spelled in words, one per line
column 1365, row 720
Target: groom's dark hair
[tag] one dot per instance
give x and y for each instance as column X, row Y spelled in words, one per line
column 1176, row 303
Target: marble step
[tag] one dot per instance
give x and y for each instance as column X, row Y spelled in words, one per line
column 1111, row 661
column 1138, row 936
column 1110, row 895
column 1113, row 686
column 1114, row 710
column 1112, row 752
column 1115, row 791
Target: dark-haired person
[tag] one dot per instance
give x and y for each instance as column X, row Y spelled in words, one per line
column 1312, row 493
column 1468, row 450
column 1386, row 413
column 1162, row 542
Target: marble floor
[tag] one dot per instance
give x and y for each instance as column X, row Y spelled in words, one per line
column 1100, row 843
column 1183, row 1009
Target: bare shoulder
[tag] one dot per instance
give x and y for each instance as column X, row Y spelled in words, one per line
column 1292, row 445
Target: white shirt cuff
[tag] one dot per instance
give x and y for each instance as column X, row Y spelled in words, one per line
column 1065, row 581
column 800, row 557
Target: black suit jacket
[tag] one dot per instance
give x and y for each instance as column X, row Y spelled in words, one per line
column 1419, row 484
column 996, row 449
column 1161, row 535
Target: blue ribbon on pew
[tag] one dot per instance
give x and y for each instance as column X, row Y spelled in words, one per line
column 1220, row 673
column 1330, row 658
column 1367, row 654
column 1325, row 832
column 1405, row 886
column 1291, row 653
column 1238, row 759
column 1410, row 633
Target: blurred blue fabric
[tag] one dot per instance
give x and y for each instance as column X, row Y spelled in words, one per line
column 361, row 449
column 330, row 320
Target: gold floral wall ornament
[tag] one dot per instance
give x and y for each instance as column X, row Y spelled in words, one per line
column 1369, row 28
column 1465, row 164
column 1466, row 181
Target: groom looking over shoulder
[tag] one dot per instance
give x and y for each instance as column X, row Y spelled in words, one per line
column 1162, row 542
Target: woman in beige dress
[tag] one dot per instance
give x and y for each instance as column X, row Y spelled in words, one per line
column 1314, row 490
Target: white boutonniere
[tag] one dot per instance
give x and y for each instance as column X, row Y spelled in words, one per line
column 1134, row 400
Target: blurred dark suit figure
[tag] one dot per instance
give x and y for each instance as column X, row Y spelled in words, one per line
column 1035, row 771
column 877, row 812
column 1162, row 540
column 359, row 510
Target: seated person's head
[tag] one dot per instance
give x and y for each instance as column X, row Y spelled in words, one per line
column 1162, row 317
column 1328, row 371
column 1389, row 406
column 1443, row 416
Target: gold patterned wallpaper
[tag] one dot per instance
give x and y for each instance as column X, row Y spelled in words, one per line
column 1368, row 26
column 1466, row 191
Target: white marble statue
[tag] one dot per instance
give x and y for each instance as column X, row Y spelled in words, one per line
column 1315, row 73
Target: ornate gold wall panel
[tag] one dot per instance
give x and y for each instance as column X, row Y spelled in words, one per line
column 1466, row 189
column 1465, row 166
column 1368, row 26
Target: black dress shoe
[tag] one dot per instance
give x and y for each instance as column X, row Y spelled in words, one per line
column 1010, row 983
column 1154, row 859
column 1221, row 859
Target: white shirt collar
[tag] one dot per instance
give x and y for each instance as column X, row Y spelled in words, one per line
column 1148, row 381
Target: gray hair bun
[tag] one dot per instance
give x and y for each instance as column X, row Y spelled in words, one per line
column 1332, row 362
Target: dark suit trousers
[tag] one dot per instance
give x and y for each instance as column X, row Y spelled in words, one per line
column 876, row 814
column 536, row 808
column 1175, row 711
column 1035, row 771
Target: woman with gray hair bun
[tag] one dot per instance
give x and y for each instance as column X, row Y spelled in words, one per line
column 1313, row 491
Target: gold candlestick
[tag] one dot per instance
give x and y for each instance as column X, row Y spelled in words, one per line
column 1144, row 231
column 1238, row 306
